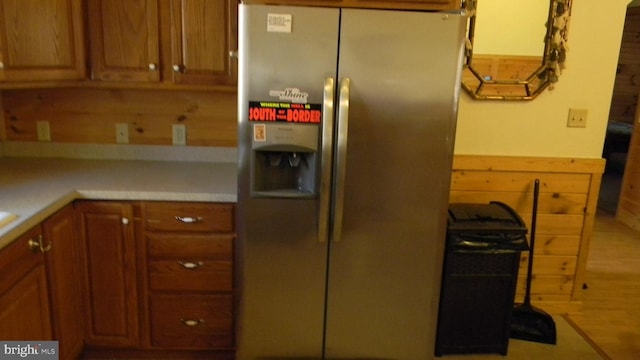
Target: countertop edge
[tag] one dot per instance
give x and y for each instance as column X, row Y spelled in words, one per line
column 23, row 224
column 35, row 189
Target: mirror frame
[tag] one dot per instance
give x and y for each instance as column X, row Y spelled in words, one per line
column 543, row 77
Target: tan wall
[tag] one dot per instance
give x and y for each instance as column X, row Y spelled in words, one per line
column 539, row 127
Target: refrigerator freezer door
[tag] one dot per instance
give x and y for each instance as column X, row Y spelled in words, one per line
column 281, row 270
column 384, row 273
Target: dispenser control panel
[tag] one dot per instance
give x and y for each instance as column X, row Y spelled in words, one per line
column 285, row 140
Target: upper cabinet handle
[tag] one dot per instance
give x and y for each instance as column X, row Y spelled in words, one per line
column 189, row 220
column 233, row 54
column 125, row 221
column 178, row 68
column 153, row 67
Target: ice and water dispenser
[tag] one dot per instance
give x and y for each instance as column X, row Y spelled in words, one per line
column 284, row 160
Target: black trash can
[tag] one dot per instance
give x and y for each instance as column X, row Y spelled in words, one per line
column 480, row 272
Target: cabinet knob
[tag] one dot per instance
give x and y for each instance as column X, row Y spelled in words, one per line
column 125, row 221
column 192, row 322
column 1, row 65
column 178, row 68
column 153, row 67
column 233, row 54
column 36, row 245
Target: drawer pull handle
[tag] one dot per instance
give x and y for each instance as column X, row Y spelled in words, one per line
column 190, row 265
column 36, row 245
column 189, row 220
column 192, row 322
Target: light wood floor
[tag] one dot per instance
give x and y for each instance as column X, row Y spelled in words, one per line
column 610, row 314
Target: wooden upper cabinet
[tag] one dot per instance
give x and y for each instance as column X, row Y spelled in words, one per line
column 41, row 40
column 429, row 5
column 170, row 41
column 203, row 36
column 124, row 38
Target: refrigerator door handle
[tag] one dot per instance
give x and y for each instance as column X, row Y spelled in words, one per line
column 340, row 165
column 326, row 159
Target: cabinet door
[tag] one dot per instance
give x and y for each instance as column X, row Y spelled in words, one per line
column 41, row 40
column 64, row 281
column 124, row 40
column 203, row 37
column 24, row 303
column 110, row 275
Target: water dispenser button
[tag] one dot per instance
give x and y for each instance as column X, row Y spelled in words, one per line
column 294, row 159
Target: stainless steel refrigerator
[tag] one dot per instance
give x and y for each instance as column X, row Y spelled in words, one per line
column 346, row 130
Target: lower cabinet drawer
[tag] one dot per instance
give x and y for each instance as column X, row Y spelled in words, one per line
column 191, row 321
column 195, row 275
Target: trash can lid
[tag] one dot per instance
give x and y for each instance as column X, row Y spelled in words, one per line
column 479, row 218
column 491, row 228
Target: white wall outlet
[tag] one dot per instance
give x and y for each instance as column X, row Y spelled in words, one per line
column 122, row 133
column 577, row 118
column 44, row 131
column 179, row 132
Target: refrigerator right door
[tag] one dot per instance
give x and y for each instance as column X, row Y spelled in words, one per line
column 386, row 260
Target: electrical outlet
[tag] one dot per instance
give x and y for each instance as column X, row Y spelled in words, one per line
column 577, row 118
column 122, row 133
column 179, row 132
column 44, row 131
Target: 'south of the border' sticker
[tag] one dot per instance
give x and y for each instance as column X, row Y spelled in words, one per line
column 285, row 112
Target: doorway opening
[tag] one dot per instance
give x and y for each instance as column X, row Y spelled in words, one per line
column 622, row 114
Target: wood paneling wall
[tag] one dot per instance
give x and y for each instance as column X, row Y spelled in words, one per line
column 83, row 115
column 567, row 205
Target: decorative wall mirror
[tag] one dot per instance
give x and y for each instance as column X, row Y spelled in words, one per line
column 515, row 49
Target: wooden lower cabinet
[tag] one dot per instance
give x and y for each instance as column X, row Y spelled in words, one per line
column 24, row 301
column 39, row 293
column 188, row 251
column 63, row 276
column 193, row 321
column 110, row 276
column 158, row 279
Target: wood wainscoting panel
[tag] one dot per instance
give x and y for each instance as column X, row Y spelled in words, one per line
column 83, row 115
column 566, row 210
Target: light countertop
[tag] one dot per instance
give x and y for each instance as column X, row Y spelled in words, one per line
column 34, row 188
